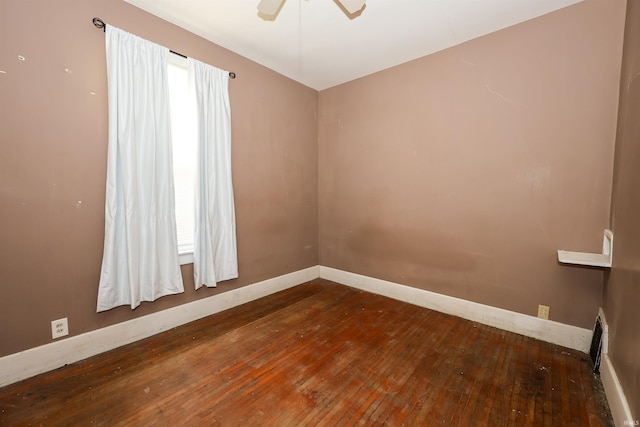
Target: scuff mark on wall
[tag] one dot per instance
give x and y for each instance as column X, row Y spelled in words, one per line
column 537, row 177
column 632, row 80
column 501, row 96
column 546, row 235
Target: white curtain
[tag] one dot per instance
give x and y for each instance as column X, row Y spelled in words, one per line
column 215, row 255
column 140, row 260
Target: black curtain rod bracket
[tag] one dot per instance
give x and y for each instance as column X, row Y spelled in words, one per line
column 99, row 23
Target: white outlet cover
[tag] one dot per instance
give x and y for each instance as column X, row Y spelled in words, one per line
column 543, row 312
column 59, row 328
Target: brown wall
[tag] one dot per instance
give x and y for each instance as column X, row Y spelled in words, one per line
column 622, row 291
column 464, row 171
column 53, row 145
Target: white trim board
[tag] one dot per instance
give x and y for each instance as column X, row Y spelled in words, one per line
column 616, row 398
column 25, row 364
column 545, row 330
column 31, row 362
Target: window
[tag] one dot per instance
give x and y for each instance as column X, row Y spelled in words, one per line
column 184, row 149
column 150, row 248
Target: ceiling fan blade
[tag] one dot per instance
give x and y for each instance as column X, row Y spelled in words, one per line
column 269, row 7
column 352, row 6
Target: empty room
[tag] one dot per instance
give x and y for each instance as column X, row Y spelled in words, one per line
column 320, row 212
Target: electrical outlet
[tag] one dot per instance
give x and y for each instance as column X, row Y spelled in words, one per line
column 543, row 312
column 59, row 328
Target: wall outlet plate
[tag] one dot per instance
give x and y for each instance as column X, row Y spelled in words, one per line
column 59, row 328
column 543, row 312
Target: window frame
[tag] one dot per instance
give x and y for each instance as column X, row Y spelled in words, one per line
column 185, row 252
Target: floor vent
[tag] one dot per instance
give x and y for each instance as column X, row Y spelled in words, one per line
column 598, row 342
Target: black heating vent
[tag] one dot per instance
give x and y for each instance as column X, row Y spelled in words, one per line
column 596, row 345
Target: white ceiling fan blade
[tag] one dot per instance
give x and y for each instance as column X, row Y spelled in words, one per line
column 269, row 7
column 352, row 6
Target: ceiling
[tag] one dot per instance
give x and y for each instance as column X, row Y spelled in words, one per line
column 315, row 43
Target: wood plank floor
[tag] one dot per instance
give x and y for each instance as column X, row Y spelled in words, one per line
column 319, row 354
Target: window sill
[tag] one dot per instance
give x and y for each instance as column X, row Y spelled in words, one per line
column 185, row 258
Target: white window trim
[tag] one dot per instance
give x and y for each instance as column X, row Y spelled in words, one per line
column 186, row 257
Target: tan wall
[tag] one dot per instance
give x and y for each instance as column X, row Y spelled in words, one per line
column 622, row 291
column 464, row 171
column 53, row 144
column 461, row 172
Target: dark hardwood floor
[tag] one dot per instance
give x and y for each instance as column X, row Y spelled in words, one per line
column 319, row 354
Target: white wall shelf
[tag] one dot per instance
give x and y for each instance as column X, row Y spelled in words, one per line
column 605, row 259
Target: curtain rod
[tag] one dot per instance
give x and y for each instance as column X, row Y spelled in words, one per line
column 99, row 23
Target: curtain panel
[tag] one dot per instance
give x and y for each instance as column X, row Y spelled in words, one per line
column 215, row 254
column 140, row 260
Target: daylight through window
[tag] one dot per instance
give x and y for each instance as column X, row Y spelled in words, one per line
column 184, row 151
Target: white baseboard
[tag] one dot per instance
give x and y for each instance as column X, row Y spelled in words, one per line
column 545, row 330
column 616, row 398
column 28, row 363
column 25, row 364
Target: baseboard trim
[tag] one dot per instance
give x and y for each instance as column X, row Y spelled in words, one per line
column 616, row 398
column 31, row 362
column 618, row 403
column 545, row 330
column 25, row 364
